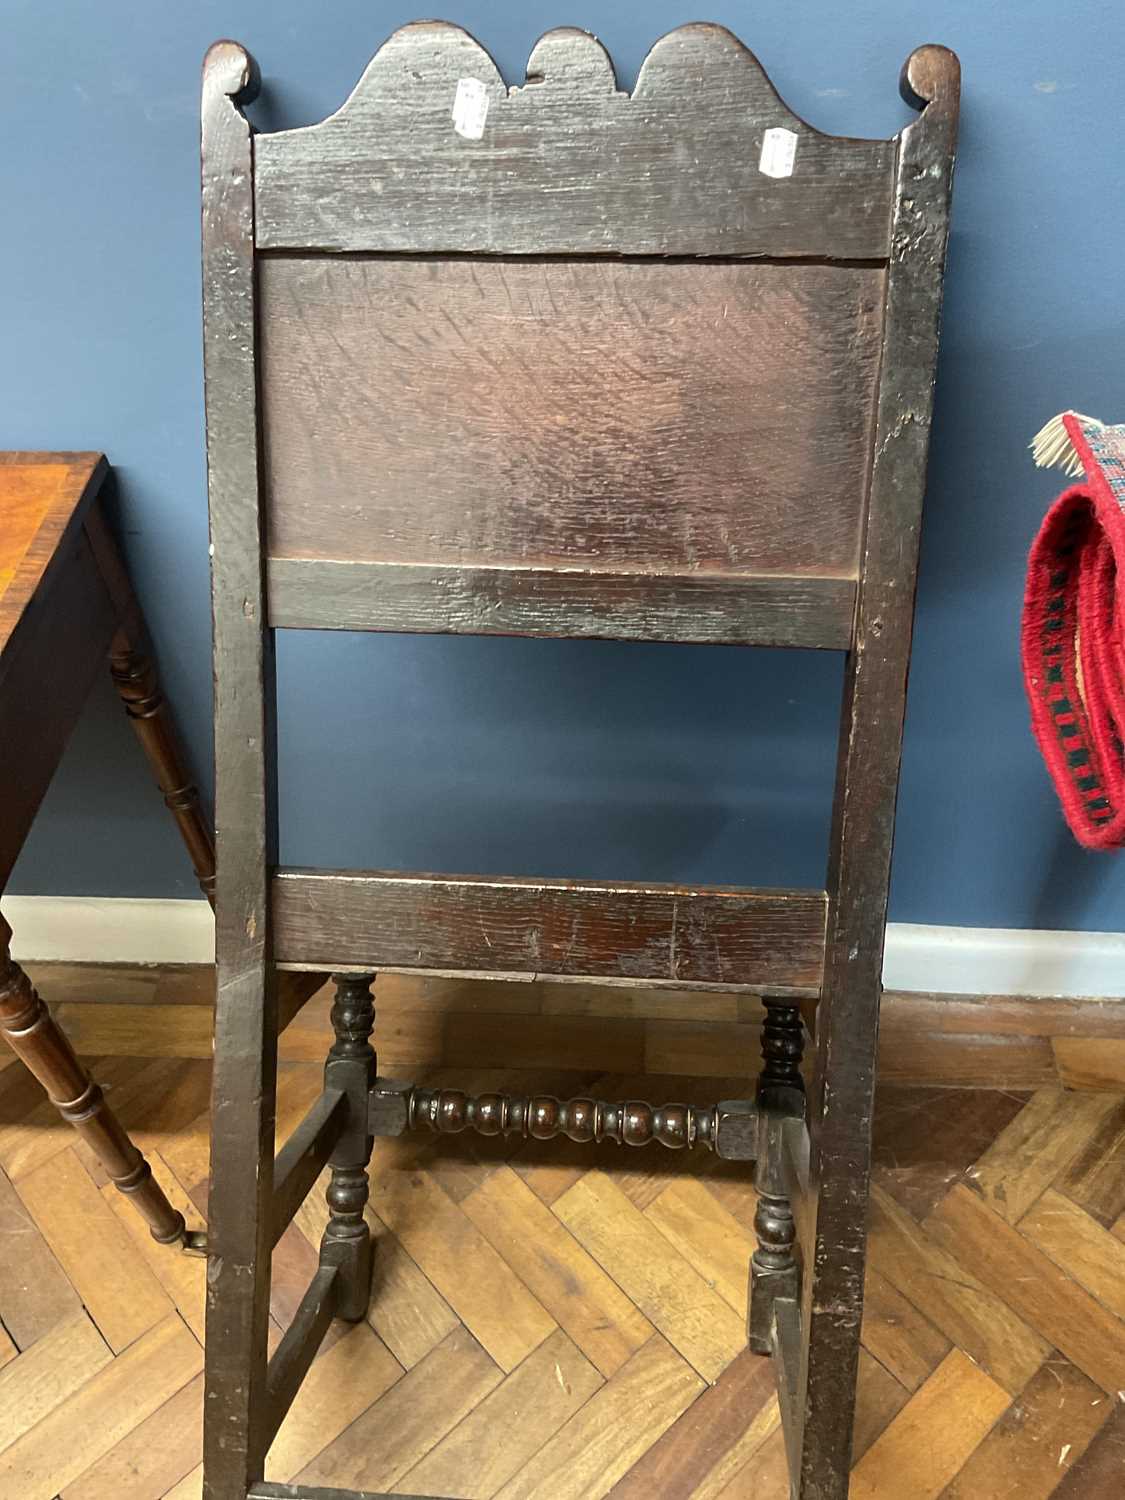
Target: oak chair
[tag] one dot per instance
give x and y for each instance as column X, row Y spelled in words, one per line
column 561, row 361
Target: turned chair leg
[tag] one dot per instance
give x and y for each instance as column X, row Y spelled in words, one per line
column 774, row 1272
column 35, row 1039
column 351, row 1068
column 135, row 677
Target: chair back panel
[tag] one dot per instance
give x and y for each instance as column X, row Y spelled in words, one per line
column 632, row 415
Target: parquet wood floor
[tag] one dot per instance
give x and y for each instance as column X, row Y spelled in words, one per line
column 570, row 1325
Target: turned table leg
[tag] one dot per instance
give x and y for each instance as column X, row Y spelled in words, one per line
column 135, row 677
column 27, row 1025
column 137, row 682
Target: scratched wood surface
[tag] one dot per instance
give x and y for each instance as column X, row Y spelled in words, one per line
column 629, row 415
column 562, row 1323
column 245, row 789
column 669, row 934
column 764, row 609
column 567, row 164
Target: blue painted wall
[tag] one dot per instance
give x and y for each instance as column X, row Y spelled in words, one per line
column 575, row 758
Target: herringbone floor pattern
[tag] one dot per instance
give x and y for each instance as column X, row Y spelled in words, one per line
column 562, row 1325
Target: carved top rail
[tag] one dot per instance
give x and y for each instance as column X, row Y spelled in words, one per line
column 432, row 153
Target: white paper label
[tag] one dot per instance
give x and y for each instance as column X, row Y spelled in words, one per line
column 470, row 108
column 779, row 152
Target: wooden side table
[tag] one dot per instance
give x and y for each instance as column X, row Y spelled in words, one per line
column 66, row 607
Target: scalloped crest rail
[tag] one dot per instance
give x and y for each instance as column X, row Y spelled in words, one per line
column 567, row 164
column 560, row 360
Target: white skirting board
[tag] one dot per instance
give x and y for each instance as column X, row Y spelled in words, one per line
column 937, row 960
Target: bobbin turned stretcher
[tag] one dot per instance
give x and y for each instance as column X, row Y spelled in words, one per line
column 562, row 361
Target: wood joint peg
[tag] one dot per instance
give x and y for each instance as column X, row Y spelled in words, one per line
column 736, row 1130
column 388, row 1107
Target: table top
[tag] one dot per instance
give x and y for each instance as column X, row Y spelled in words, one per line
column 42, row 495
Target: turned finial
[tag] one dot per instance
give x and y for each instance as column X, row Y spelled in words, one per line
column 229, row 69
column 930, row 75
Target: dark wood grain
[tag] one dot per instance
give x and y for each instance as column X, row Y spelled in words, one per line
column 631, row 416
column 789, row 1345
column 729, row 1129
column 346, row 1245
column 297, row 1350
column 684, row 934
column 240, row 1202
column 586, row 440
column 780, row 1084
column 303, row 1157
column 582, row 603
column 867, row 778
column 774, row 1271
column 922, row 1142
column 1095, row 1179
column 684, row 1458
column 566, row 163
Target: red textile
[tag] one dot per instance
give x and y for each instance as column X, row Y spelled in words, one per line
column 1074, row 640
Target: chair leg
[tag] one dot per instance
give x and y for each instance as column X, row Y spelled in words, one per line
column 27, row 1025
column 774, row 1271
column 240, row 1232
column 351, row 1068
